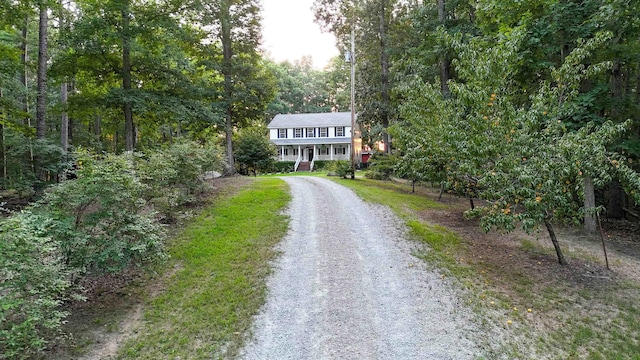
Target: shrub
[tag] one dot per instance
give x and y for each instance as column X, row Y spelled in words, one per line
column 174, row 176
column 321, row 164
column 381, row 167
column 33, row 282
column 340, row 168
column 282, row 166
column 101, row 218
column 253, row 150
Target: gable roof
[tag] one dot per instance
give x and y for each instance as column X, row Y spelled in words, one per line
column 310, row 120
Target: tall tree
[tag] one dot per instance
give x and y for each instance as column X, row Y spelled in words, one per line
column 43, row 58
column 234, row 28
column 375, row 22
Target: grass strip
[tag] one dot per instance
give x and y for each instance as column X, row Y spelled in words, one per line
column 223, row 259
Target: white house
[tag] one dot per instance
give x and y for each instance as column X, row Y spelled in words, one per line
column 305, row 138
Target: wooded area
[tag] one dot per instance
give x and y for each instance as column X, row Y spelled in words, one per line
column 111, row 111
column 532, row 107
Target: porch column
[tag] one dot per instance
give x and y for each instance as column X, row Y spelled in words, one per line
column 282, row 153
column 331, row 152
column 300, row 155
column 349, row 150
column 314, row 152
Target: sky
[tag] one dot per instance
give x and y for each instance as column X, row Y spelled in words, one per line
column 289, row 33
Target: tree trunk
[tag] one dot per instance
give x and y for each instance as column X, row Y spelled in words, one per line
column 129, row 135
column 3, row 148
column 384, row 65
column 554, row 240
column 97, row 127
column 24, row 74
column 228, row 84
column 41, row 108
column 64, row 117
column 589, row 204
column 445, row 65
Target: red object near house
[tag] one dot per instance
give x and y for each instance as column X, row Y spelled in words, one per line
column 365, row 158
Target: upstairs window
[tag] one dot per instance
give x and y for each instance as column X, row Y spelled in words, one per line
column 282, row 133
column 311, row 132
column 324, row 132
column 297, row 133
column 340, row 131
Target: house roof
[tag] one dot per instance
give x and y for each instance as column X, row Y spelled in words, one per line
column 310, row 120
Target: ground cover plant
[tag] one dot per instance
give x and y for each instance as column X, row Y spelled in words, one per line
column 528, row 305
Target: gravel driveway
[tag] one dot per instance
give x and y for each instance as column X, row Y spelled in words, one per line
column 347, row 287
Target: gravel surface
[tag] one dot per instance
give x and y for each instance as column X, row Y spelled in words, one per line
column 347, row 287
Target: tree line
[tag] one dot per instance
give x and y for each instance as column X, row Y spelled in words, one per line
column 531, row 106
column 110, row 114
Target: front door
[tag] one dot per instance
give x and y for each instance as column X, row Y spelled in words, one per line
column 310, row 155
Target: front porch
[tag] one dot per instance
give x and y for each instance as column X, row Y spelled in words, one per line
column 310, row 153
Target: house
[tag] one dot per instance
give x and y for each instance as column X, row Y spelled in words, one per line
column 305, row 138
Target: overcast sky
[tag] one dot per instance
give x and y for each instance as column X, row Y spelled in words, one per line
column 289, row 33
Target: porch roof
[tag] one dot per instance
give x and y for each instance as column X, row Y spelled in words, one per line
column 312, row 141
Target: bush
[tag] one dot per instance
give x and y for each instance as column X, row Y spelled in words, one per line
column 253, row 150
column 174, row 176
column 340, row 168
column 282, row 167
column 319, row 165
column 101, row 218
column 33, row 283
column 381, row 167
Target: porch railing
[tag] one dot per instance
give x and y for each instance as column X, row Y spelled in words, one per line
column 312, row 163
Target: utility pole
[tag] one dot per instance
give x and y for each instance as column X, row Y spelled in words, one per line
column 351, row 57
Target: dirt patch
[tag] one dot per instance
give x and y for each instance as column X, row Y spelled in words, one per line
column 114, row 304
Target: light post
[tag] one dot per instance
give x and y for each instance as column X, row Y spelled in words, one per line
column 350, row 57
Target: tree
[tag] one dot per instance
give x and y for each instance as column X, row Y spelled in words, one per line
column 519, row 157
column 375, row 24
column 43, row 58
column 254, row 151
column 245, row 90
column 303, row 89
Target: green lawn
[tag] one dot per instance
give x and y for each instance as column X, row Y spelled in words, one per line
column 222, row 259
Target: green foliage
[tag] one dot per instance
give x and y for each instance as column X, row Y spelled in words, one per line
column 302, row 89
column 282, row 166
column 30, row 164
column 253, row 150
column 35, row 281
column 341, row 168
column 101, row 219
column 382, row 166
column 519, row 157
column 319, row 165
column 174, row 176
